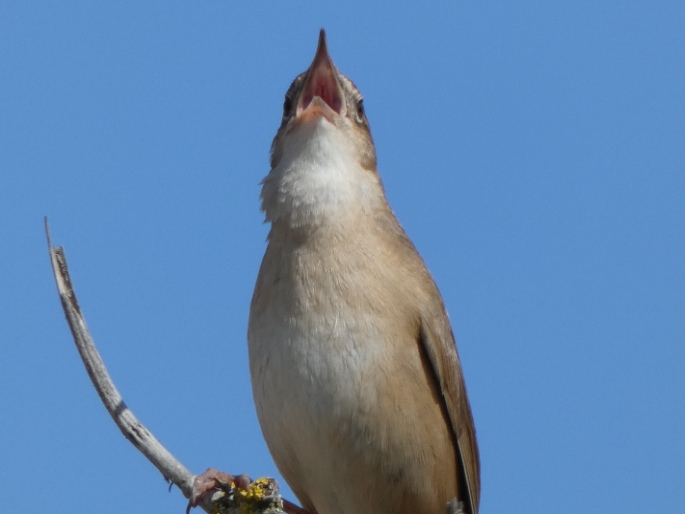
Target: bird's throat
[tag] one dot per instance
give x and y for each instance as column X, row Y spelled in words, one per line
column 318, row 181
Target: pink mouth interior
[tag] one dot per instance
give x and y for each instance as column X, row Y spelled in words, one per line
column 322, row 83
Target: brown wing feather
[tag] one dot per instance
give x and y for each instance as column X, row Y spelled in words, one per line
column 438, row 343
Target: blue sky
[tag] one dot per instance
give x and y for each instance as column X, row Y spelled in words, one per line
column 532, row 150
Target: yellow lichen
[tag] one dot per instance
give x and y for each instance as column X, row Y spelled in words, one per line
column 260, row 497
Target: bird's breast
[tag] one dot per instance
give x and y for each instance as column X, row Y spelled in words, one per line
column 338, row 378
column 315, row 338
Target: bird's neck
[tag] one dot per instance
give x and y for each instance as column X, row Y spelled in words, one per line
column 318, row 182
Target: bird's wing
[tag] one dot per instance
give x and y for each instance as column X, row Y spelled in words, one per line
column 438, row 343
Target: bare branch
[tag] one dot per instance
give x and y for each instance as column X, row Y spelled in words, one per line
column 124, row 418
column 172, row 470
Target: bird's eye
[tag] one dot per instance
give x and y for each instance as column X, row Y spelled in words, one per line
column 287, row 106
column 360, row 111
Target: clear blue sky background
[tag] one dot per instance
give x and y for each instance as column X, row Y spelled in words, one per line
column 534, row 151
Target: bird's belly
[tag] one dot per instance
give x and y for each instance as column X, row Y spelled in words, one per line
column 349, row 414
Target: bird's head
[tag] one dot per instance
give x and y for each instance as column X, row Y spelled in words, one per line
column 322, row 98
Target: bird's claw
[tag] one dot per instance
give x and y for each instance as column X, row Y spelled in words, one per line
column 213, row 480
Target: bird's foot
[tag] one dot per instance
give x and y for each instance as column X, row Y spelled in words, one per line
column 212, row 481
column 233, row 493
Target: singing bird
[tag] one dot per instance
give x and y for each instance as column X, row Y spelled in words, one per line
column 355, row 373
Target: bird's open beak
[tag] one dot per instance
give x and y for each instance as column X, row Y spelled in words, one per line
column 321, row 95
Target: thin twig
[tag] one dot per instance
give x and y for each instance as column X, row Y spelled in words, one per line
column 172, row 470
column 262, row 495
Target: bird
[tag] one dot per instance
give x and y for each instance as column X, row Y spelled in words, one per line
column 355, row 374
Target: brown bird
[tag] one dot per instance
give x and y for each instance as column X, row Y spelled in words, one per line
column 355, row 373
